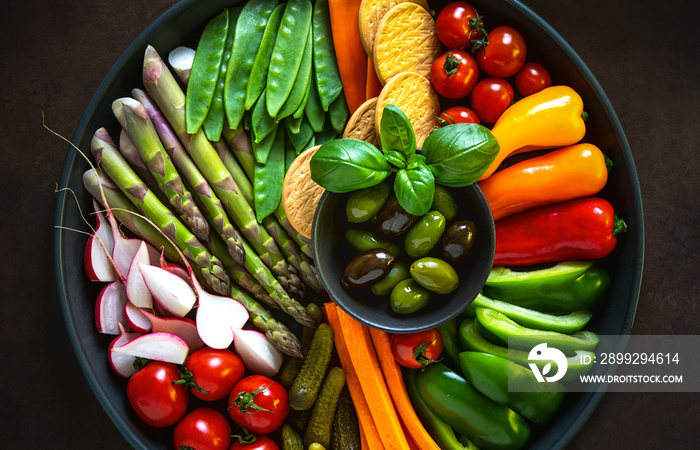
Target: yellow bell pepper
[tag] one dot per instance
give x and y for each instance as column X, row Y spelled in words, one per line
column 550, row 118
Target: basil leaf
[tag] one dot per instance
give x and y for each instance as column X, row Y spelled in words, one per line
column 396, row 159
column 414, row 189
column 396, row 135
column 345, row 165
column 415, row 160
column 459, row 154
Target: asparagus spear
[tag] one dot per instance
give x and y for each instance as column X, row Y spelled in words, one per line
column 124, row 211
column 111, row 161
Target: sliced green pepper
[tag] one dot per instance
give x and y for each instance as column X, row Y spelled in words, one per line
column 481, row 420
column 450, row 348
column 563, row 288
column 567, row 324
column 491, row 374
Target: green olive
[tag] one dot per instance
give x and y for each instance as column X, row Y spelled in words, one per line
column 364, row 204
column 408, row 296
column 423, row 236
column 444, row 201
column 398, row 273
column 361, row 240
column 435, row 274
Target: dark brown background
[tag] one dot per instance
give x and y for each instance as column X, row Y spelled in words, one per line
column 55, row 53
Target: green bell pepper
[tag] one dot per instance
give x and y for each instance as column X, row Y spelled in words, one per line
column 491, row 375
column 563, row 288
column 570, row 323
column 450, row 348
column 481, row 420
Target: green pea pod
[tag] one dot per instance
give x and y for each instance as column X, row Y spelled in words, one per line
column 481, row 420
column 311, row 143
column 214, row 121
column 492, row 374
column 338, row 113
column 258, row 72
column 567, row 324
column 261, row 121
column 205, row 71
column 325, row 63
column 314, row 111
column 290, row 154
column 249, row 33
column 300, row 83
column 268, row 178
column 470, row 339
column 261, row 150
column 287, row 53
column 299, row 139
column 327, row 134
column 302, row 106
column 293, row 124
column 563, row 288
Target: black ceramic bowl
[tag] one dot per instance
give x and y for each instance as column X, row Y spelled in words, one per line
column 332, row 253
column 181, row 25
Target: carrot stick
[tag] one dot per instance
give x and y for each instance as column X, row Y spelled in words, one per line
column 374, row 86
column 351, row 56
column 394, row 378
column 368, row 429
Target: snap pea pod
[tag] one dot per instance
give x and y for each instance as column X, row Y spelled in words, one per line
column 296, row 96
column 205, row 71
column 214, row 120
column 262, row 149
column 289, row 157
column 302, row 136
column 314, row 110
column 293, row 124
column 327, row 134
column 268, row 178
column 287, row 53
column 338, row 113
column 261, row 122
column 250, row 28
column 302, row 106
column 327, row 74
column 258, row 72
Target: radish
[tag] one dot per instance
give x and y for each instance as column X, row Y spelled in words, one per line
column 172, row 292
column 109, row 308
column 217, row 318
column 122, row 364
column 165, row 347
column 136, row 289
column 177, row 269
column 136, row 319
column 183, row 327
column 257, row 353
column 100, row 244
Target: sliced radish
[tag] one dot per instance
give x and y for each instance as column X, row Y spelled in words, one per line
column 217, row 317
column 172, row 292
column 122, row 364
column 109, row 308
column 136, row 289
column 257, row 352
column 99, row 245
column 165, row 347
column 178, row 270
column 136, row 318
column 183, row 327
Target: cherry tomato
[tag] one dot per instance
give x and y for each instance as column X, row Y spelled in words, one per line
column 458, row 24
column 457, row 114
column 532, row 78
column 454, row 74
column 260, row 443
column 258, row 404
column 203, row 428
column 417, row 350
column 504, row 53
column 154, row 396
column 490, row 97
column 213, row 371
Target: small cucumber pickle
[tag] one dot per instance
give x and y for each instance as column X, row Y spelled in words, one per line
column 435, row 274
column 423, row 236
column 366, row 203
column 457, row 241
column 367, row 268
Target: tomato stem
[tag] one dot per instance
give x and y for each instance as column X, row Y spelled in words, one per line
column 419, row 354
column 620, row 225
column 451, row 64
column 245, row 401
column 187, row 378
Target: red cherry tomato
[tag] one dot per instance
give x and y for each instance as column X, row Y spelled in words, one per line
column 215, row 372
column 458, row 24
column 454, row 74
column 258, row 404
column 416, row 350
column 504, row 53
column 260, row 443
column 532, row 78
column 457, row 114
column 154, row 396
column 203, row 428
column 490, row 97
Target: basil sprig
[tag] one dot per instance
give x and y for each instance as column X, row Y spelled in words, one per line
column 454, row 155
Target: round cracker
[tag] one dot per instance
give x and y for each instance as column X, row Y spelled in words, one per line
column 415, row 96
column 406, row 41
column 362, row 124
column 300, row 194
column 371, row 13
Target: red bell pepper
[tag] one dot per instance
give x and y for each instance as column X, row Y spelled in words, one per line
column 578, row 229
